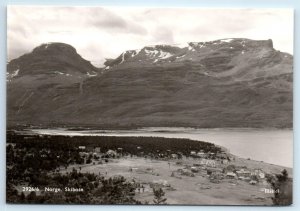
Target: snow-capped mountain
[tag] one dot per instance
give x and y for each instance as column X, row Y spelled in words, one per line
column 217, row 58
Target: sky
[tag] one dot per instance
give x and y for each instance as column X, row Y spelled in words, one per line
column 99, row 33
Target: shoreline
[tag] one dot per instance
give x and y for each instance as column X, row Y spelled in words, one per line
column 139, row 128
column 157, row 133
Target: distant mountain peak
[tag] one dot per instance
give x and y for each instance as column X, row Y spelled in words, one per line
column 62, row 47
column 191, row 51
column 54, row 59
column 55, row 49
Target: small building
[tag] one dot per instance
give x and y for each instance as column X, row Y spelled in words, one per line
column 193, row 153
column 133, row 169
column 259, row 173
column 253, row 182
column 182, row 170
column 161, row 182
column 247, row 179
column 174, row 156
column 201, row 154
column 241, row 178
column 223, row 158
column 82, row 147
column 244, row 173
column 231, row 175
column 208, row 162
column 194, row 169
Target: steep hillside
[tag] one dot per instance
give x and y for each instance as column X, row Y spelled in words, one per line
column 222, row 83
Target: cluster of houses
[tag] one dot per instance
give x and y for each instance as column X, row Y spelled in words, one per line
column 217, row 173
column 251, row 176
column 210, row 155
column 95, row 152
column 217, row 167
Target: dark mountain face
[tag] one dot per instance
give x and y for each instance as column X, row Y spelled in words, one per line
column 51, row 59
column 223, row 83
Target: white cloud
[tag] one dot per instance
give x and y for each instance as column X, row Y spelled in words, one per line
column 98, row 33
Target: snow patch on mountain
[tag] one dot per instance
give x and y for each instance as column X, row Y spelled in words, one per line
column 61, row 73
column 10, row 76
column 91, row 75
column 123, row 58
column 137, row 51
column 165, row 55
column 157, row 54
column 15, row 73
column 226, row 40
column 190, row 48
column 151, row 53
column 179, row 57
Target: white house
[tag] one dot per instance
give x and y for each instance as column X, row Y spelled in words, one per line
column 259, row 173
column 193, row 153
column 231, row 175
column 243, row 172
column 208, row 162
column 81, row 147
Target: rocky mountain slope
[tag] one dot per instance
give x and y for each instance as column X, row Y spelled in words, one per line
column 222, row 83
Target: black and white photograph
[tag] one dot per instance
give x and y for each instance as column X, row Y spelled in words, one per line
column 149, row 105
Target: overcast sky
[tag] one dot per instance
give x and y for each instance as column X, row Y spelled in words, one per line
column 105, row 32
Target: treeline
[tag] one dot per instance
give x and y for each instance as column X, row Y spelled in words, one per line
column 130, row 145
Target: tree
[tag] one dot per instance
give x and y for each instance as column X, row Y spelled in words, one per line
column 115, row 190
column 283, row 188
column 159, row 196
column 31, row 198
column 22, row 197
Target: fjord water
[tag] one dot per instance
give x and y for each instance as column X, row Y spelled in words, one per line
column 268, row 145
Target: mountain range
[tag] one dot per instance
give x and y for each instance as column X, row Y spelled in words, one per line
column 234, row 82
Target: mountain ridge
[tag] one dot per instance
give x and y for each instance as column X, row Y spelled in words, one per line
column 222, row 83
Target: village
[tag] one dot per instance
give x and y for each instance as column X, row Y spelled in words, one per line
column 215, row 166
column 195, row 174
column 176, row 173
